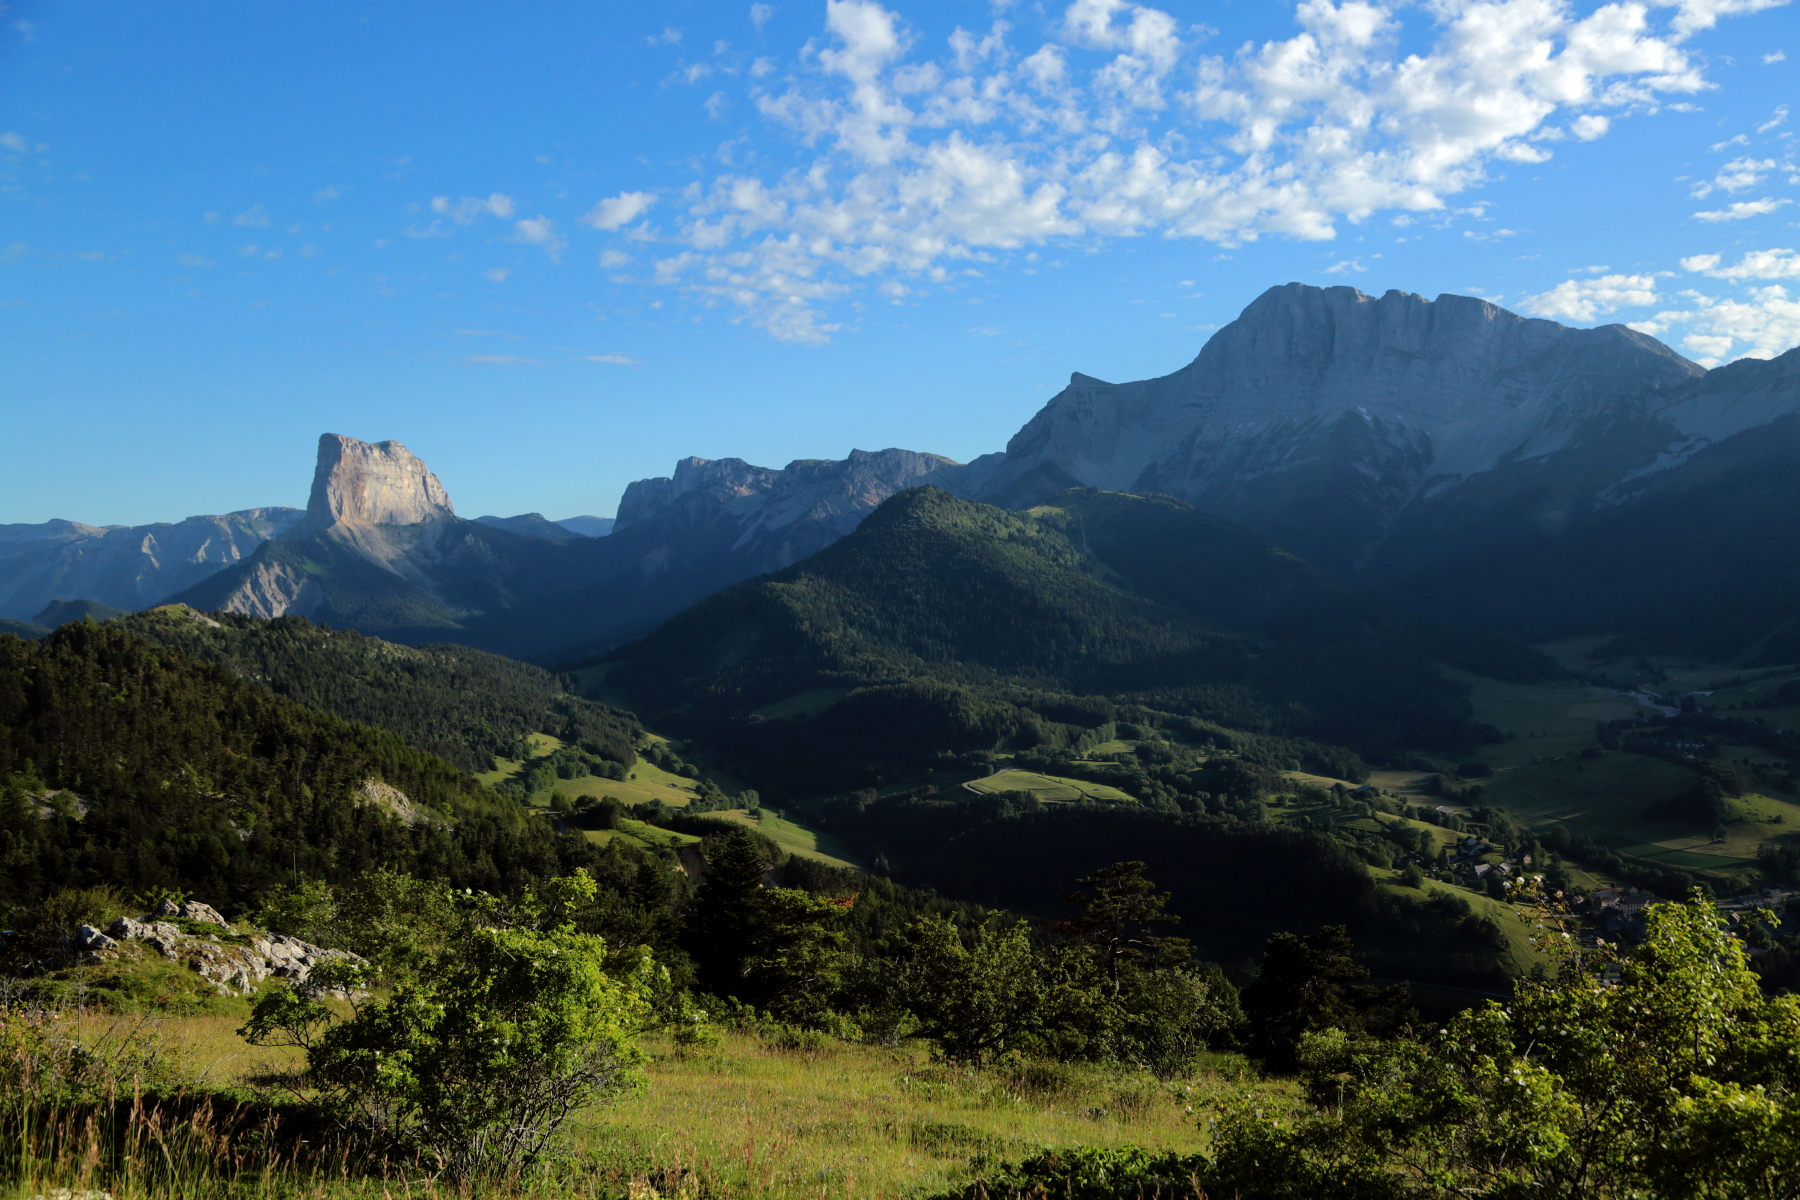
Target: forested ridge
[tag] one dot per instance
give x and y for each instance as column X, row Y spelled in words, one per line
column 178, row 773
column 950, row 627
column 465, row 706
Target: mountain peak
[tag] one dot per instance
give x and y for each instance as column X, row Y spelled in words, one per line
column 372, row 483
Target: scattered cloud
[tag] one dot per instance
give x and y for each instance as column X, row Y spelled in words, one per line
column 919, row 164
column 760, row 14
column 617, row 360
column 1775, row 118
column 500, row 360
column 15, row 142
column 497, row 274
column 464, row 211
column 1757, row 264
column 614, row 259
column 540, row 231
column 1587, row 299
column 1742, row 139
column 326, row 195
column 716, row 105
column 1742, row 210
column 1762, row 323
column 1345, row 266
column 668, row 37
column 1775, row 57
column 986, row 331
column 619, row 211
column 256, row 214
column 1735, row 176
column 194, row 260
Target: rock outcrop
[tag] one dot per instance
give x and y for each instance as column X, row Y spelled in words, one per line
column 371, row 483
column 232, row 962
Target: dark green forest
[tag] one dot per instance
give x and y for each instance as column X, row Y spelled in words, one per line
column 129, row 764
column 465, row 706
column 954, row 628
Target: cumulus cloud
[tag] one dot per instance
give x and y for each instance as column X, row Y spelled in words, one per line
column 921, row 163
column 760, row 14
column 540, row 231
column 616, row 212
column 1759, row 322
column 1587, row 299
column 464, row 211
column 1742, row 210
column 1757, row 264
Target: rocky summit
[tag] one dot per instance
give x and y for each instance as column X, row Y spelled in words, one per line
column 371, row 483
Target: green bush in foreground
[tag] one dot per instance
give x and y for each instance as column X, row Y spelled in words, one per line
column 1658, row 1072
column 477, row 1067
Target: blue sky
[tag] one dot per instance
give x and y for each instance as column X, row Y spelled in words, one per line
column 554, row 247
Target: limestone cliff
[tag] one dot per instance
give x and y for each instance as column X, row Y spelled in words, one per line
column 371, row 483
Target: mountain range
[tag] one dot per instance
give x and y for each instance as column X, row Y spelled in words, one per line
column 1447, row 456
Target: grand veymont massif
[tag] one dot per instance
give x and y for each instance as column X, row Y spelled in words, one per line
column 1362, row 764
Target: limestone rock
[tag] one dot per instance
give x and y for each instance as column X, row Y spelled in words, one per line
column 231, row 967
column 371, row 483
column 89, row 938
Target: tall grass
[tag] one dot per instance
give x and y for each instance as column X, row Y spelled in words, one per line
column 132, row 1108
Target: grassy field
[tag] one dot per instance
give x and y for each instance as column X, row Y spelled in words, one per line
column 1543, row 719
column 1050, row 788
column 747, row 1119
column 795, row 839
column 809, row 703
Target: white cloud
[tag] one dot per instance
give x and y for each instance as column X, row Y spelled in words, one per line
column 1694, row 15
column 668, row 37
column 760, row 14
column 1757, row 264
column 1590, row 126
column 194, row 260
column 1586, row 299
column 541, row 231
column 15, row 142
column 254, row 215
column 497, row 274
column 1345, row 266
column 613, row 259
column 1742, row 139
column 1742, row 210
column 465, row 211
column 616, row 359
column 326, row 195
column 1762, row 323
column 500, row 360
column 716, row 104
column 619, row 211
column 921, row 165
column 1777, row 56
column 1735, row 176
column 1775, row 118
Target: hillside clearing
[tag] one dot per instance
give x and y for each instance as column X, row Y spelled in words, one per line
column 1051, row 789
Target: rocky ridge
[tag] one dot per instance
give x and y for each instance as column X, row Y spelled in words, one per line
column 234, row 967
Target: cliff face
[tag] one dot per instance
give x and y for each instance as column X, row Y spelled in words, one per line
column 1323, row 414
column 766, row 519
column 371, row 483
